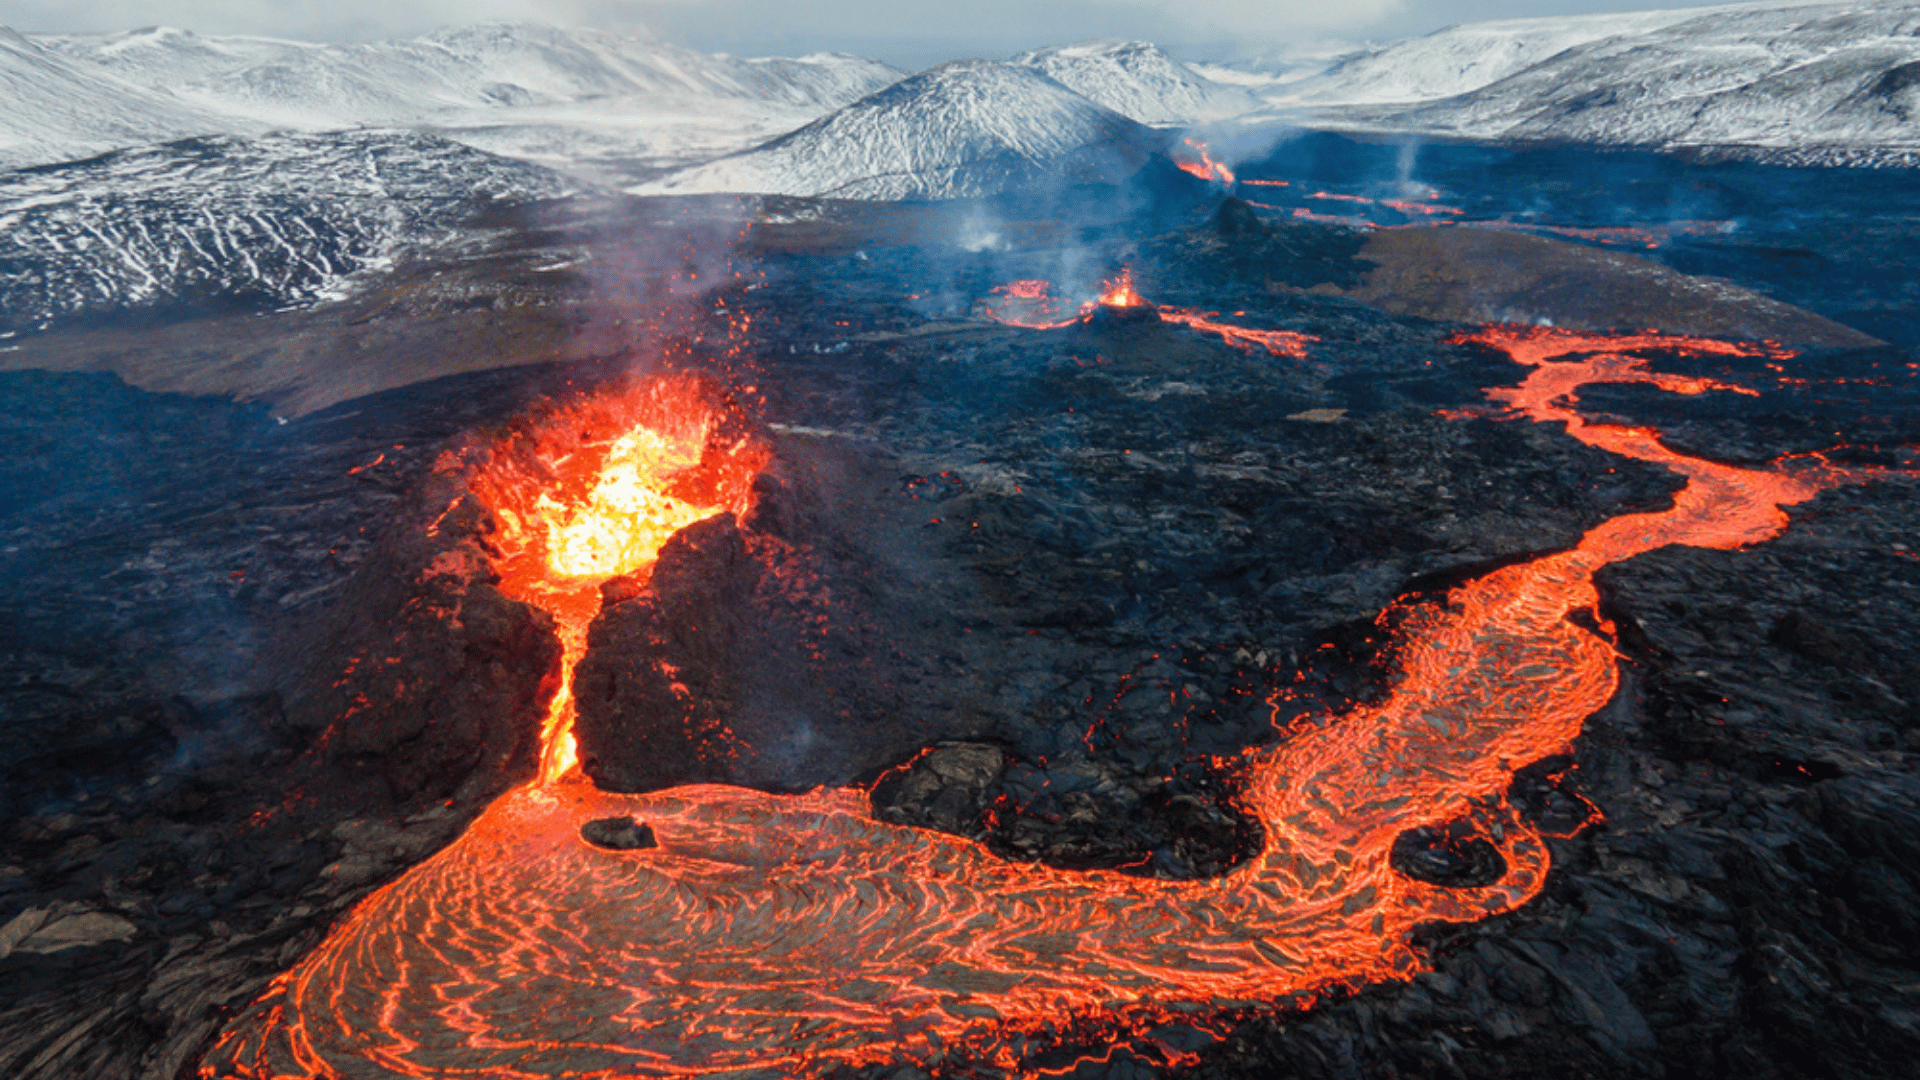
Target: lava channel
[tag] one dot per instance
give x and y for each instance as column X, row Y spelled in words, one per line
column 1031, row 304
column 772, row 935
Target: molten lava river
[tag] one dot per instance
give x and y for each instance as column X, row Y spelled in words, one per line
column 773, row 935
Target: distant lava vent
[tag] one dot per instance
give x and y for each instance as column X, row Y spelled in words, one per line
column 1121, row 303
column 1032, row 304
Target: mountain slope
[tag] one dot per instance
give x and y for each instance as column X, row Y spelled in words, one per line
column 1462, row 58
column 474, row 67
column 227, row 221
column 967, row 128
column 57, row 110
column 1137, row 79
column 562, row 97
column 1795, row 78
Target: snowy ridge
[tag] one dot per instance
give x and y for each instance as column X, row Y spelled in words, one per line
column 1459, row 58
column 1805, row 82
column 1138, row 79
column 383, row 150
column 275, row 221
column 474, row 67
column 550, row 94
column 962, row 129
column 58, row 111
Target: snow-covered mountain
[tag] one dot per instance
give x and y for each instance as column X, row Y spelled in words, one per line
column 422, row 130
column 1455, row 60
column 273, row 221
column 474, row 67
column 57, row 110
column 560, row 96
column 1138, row 79
column 159, row 168
column 1811, row 81
column 966, row 128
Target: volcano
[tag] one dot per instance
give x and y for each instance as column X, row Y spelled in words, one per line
column 1140, row 632
column 965, row 128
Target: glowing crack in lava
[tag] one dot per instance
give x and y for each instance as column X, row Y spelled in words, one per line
column 791, row 935
column 1032, row 305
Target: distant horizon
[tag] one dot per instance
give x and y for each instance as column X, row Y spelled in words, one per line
column 909, row 34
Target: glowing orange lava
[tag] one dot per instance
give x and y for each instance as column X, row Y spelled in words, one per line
column 592, row 493
column 1342, row 220
column 1031, row 304
column 793, row 935
column 1410, row 208
column 1276, row 342
column 1120, row 292
column 1206, row 168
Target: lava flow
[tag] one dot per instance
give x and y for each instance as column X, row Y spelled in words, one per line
column 1032, row 305
column 794, row 935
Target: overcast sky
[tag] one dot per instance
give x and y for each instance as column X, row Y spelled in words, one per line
column 910, row 33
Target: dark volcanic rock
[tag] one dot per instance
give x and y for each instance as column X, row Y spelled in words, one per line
column 619, row 833
column 657, row 688
column 1087, row 567
column 1237, row 247
column 1448, row 857
column 172, row 587
column 1122, row 317
column 1236, row 219
column 949, row 787
column 1483, row 275
column 423, row 677
column 816, row 643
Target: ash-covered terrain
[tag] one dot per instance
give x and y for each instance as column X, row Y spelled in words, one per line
column 1048, row 584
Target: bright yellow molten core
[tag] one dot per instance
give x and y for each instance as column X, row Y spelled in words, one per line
column 627, row 518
